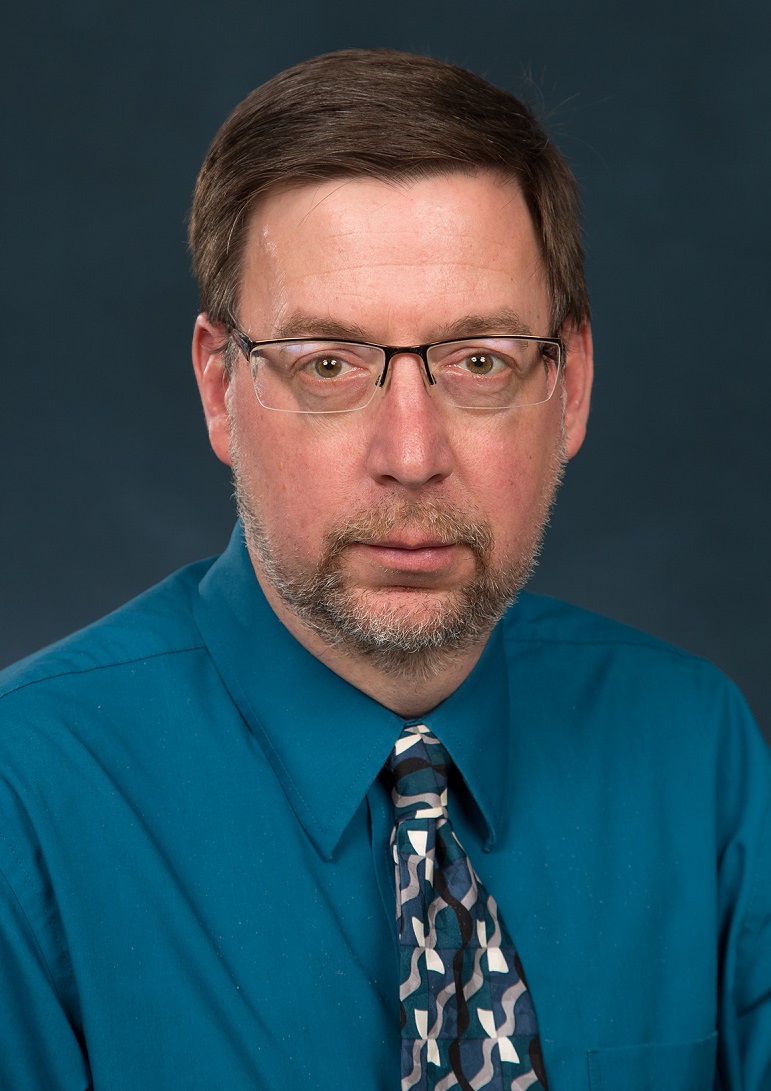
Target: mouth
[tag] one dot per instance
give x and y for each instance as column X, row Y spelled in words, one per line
column 414, row 546
column 418, row 556
column 407, row 541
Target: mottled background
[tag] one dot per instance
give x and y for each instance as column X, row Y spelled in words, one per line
column 663, row 110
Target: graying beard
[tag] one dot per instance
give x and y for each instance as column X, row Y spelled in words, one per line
column 394, row 643
column 391, row 641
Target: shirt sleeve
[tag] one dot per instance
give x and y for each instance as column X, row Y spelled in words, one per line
column 745, row 868
column 39, row 1049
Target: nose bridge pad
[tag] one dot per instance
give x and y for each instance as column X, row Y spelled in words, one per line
column 414, row 350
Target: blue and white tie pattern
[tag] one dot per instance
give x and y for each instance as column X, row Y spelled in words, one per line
column 466, row 1013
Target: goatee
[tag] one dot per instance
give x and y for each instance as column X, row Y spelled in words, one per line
column 406, row 639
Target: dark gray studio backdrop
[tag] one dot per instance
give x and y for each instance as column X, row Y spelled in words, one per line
column 662, row 108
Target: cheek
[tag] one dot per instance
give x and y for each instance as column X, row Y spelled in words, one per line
column 298, row 475
column 512, row 473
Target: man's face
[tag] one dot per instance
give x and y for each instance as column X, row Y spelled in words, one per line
column 408, row 526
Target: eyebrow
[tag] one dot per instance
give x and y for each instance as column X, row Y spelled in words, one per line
column 472, row 325
column 304, row 324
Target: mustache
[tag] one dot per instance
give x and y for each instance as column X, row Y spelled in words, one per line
column 441, row 522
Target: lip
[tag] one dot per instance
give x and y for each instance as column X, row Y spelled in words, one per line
column 408, row 543
column 423, row 556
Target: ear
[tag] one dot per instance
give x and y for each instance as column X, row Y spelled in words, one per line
column 579, row 372
column 209, row 340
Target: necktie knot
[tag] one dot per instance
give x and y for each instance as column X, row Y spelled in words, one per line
column 420, row 766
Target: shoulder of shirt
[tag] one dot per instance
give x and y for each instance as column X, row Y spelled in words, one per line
column 653, row 673
column 539, row 619
column 158, row 622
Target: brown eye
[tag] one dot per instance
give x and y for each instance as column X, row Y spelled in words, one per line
column 480, row 363
column 327, row 367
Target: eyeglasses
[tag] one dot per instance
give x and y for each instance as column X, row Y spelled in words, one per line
column 308, row 375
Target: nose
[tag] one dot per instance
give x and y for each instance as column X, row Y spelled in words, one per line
column 409, row 442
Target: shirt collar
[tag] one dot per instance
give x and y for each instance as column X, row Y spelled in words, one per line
column 326, row 740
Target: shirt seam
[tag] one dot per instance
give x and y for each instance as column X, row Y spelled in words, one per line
column 664, row 649
column 76, row 671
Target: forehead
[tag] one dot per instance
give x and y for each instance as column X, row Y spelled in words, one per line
column 377, row 254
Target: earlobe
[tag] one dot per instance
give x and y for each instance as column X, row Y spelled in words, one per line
column 579, row 372
column 209, row 340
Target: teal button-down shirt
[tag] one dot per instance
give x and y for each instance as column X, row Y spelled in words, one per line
column 196, row 891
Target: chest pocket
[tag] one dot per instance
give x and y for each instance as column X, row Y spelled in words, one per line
column 678, row 1066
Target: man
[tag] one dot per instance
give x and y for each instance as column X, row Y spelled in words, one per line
column 228, row 840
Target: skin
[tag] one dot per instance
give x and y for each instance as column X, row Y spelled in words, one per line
column 393, row 264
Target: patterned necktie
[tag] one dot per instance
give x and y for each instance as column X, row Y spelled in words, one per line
column 466, row 1013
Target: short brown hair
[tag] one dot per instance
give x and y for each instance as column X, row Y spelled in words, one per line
column 382, row 114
